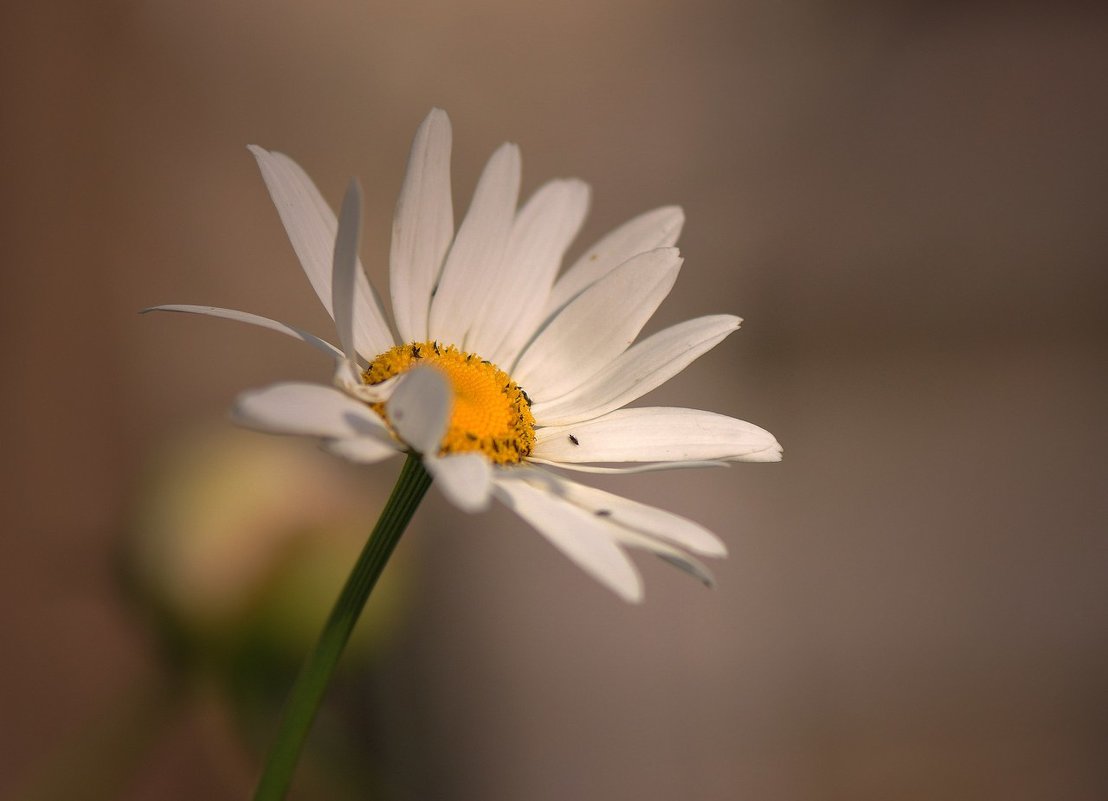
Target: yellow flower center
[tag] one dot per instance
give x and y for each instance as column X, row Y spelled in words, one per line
column 491, row 414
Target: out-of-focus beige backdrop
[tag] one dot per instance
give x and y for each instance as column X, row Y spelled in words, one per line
column 905, row 201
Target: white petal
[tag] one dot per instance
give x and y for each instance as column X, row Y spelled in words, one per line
column 671, row 555
column 541, row 233
column 597, row 325
column 648, row 467
column 312, row 409
column 647, row 520
column 345, row 268
column 474, row 260
column 657, row 434
column 253, row 319
column 363, row 450
column 655, row 229
column 311, row 227
column 465, row 479
column 419, row 408
column 348, row 378
column 422, row 228
column 583, row 537
column 638, row 370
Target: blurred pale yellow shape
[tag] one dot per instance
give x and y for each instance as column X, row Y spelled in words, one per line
column 237, row 534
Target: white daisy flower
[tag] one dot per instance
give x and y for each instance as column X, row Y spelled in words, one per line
column 502, row 367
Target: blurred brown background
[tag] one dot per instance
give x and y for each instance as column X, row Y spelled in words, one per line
column 905, row 201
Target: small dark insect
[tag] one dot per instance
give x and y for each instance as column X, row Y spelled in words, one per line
column 573, row 439
column 603, row 512
column 526, row 397
column 415, row 351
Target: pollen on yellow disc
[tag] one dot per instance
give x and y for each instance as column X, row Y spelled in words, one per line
column 491, row 413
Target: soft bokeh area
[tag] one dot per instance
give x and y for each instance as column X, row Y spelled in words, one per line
column 905, row 201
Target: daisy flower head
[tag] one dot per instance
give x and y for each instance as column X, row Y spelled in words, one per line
column 502, row 368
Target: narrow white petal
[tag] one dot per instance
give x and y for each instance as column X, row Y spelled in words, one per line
column 465, row 479
column 657, row 434
column 311, row 409
column 422, row 228
column 474, row 260
column 311, row 226
column 597, row 325
column 583, row 537
column 345, row 268
column 633, row 524
column 638, row 370
column 669, row 554
column 654, row 229
column 541, row 233
column 647, row 520
column 253, row 319
column 363, row 450
column 649, row 467
column 419, row 408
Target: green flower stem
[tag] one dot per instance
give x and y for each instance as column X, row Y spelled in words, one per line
column 311, row 684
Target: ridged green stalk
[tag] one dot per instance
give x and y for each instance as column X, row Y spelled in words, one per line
column 315, row 675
